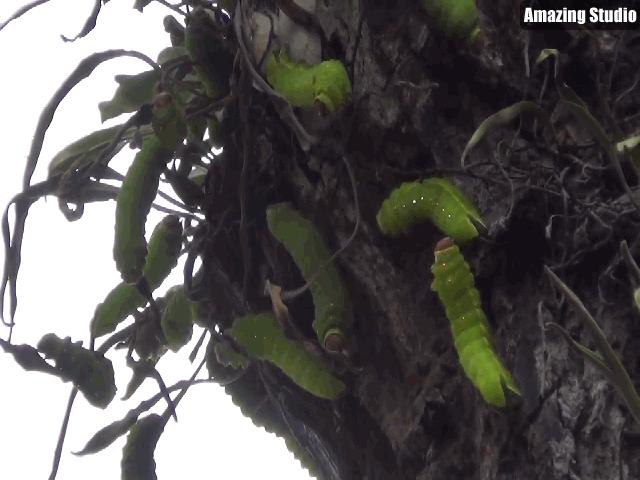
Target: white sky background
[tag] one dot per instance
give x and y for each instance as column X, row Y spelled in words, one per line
column 67, row 268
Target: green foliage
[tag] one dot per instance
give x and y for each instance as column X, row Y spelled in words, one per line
column 262, row 338
column 304, row 86
column 164, row 249
column 454, row 283
column 90, row 371
column 606, row 361
column 304, row 243
column 437, row 200
column 89, row 148
column 132, row 92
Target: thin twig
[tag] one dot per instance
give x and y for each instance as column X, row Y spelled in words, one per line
column 21, row 11
column 63, row 433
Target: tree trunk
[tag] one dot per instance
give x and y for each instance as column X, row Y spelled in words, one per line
column 548, row 198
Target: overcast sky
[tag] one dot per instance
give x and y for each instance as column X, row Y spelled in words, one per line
column 67, row 268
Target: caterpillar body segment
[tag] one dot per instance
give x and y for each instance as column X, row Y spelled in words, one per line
column 326, row 83
column 133, row 204
column 164, row 250
column 177, row 318
column 436, row 200
column 456, row 18
column 138, row 461
column 262, row 338
column 455, row 286
column 89, row 371
column 333, row 316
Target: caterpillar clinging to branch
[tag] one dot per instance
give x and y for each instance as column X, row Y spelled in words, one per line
column 434, row 199
column 303, row 241
column 139, row 189
column 454, row 283
column 177, row 318
column 326, row 83
column 262, row 338
column 164, row 249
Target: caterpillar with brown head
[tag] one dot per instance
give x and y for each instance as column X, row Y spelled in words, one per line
column 455, row 286
column 304, row 243
column 262, row 338
column 434, row 199
column 326, row 84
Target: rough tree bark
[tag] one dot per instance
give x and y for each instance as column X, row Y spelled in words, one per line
column 417, row 97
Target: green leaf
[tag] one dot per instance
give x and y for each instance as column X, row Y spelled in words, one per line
column 109, row 434
column 172, row 53
column 502, row 117
column 619, row 376
column 90, row 147
column 593, row 357
column 133, row 91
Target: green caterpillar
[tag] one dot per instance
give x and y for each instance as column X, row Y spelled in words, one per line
column 456, row 18
column 164, row 249
column 434, row 199
column 212, row 62
column 91, row 372
column 305, row 244
column 139, row 189
column 262, row 338
column 137, row 455
column 454, row 283
column 177, row 318
column 326, row 83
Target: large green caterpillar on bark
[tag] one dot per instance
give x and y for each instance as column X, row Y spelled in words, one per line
column 326, row 83
column 164, row 249
column 90, row 371
column 435, row 199
column 139, row 188
column 456, row 18
column 263, row 339
column 333, row 316
column 455, row 286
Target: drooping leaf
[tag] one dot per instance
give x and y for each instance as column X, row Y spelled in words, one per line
column 27, row 357
column 89, row 24
column 109, row 434
column 171, row 53
column 84, row 69
column 500, row 118
column 619, row 376
column 90, row 147
column 132, row 92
